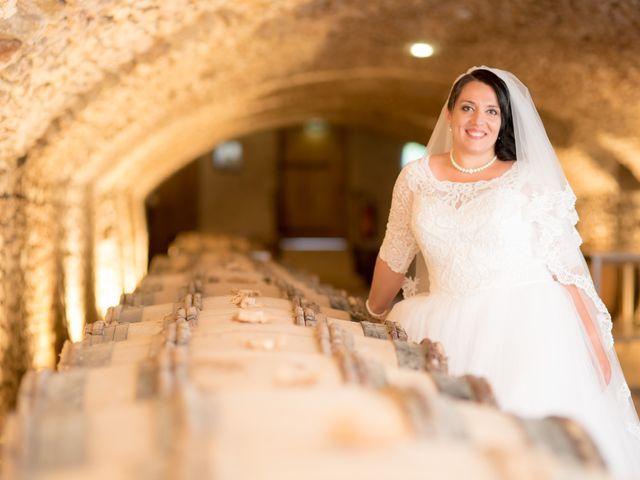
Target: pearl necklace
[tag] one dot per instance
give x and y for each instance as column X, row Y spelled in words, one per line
column 471, row 170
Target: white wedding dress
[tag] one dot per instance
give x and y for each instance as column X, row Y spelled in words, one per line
column 494, row 305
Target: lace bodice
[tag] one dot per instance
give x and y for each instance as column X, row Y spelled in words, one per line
column 472, row 235
column 491, row 234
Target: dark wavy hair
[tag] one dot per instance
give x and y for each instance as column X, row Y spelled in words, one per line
column 506, row 143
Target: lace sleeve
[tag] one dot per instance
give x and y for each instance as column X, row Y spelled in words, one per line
column 399, row 246
column 554, row 216
column 558, row 244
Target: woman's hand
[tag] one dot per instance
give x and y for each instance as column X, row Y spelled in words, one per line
column 592, row 333
column 384, row 287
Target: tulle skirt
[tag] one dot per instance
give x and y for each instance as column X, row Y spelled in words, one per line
column 526, row 340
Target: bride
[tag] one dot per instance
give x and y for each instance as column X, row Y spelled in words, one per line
column 491, row 217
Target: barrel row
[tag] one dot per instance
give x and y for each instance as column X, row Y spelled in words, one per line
column 426, row 356
column 279, row 378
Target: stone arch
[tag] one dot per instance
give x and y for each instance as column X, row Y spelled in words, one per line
column 100, row 101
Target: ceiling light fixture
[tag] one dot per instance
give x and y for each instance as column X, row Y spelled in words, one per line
column 421, row 50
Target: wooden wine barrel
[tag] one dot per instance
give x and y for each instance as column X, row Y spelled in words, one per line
column 221, row 333
column 305, row 385
column 161, row 264
column 225, row 303
column 226, row 363
column 415, row 461
column 152, row 283
column 88, row 389
column 216, row 370
column 184, row 260
column 173, row 295
column 125, row 313
column 199, row 241
column 328, row 338
column 284, row 424
column 115, row 443
column 127, row 322
column 425, row 416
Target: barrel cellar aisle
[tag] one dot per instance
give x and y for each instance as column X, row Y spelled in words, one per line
column 273, row 131
column 223, row 364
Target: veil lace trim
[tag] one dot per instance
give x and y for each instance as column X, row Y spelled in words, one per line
column 553, row 212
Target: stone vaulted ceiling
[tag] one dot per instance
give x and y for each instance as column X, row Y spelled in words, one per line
column 121, row 93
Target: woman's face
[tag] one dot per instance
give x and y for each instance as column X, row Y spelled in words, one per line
column 475, row 119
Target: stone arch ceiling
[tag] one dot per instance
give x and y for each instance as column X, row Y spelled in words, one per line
column 100, row 100
column 122, row 93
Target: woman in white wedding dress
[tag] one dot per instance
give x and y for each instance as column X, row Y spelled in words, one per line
column 489, row 213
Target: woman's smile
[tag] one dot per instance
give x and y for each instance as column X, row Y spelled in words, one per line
column 475, row 134
column 475, row 119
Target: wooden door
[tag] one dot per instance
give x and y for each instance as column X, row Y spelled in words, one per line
column 312, row 198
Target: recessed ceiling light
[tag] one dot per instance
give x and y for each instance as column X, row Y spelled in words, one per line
column 421, row 50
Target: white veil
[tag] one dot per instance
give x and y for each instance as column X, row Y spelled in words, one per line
column 553, row 212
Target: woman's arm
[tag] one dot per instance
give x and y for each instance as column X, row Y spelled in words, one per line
column 398, row 248
column 384, row 287
column 594, row 338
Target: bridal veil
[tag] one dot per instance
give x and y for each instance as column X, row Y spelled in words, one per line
column 552, row 210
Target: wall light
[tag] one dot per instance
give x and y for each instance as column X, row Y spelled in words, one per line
column 316, row 128
column 228, row 156
column 410, row 152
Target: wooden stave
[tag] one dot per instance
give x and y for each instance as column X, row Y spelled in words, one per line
column 173, row 295
column 213, row 369
column 216, row 337
column 213, row 336
column 352, row 402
